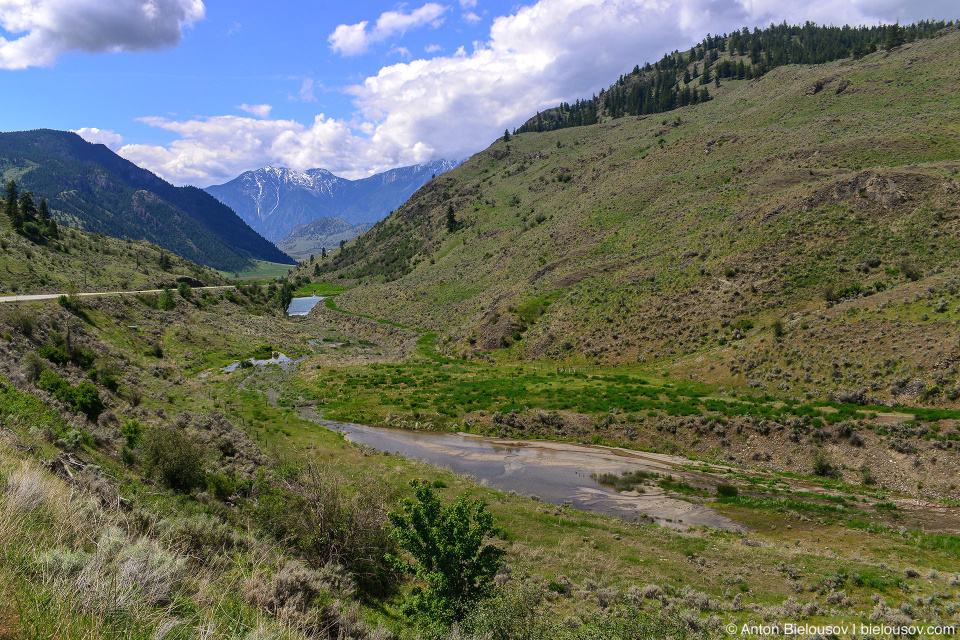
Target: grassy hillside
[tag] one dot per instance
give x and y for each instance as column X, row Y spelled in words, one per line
column 201, row 500
column 796, row 234
column 83, row 261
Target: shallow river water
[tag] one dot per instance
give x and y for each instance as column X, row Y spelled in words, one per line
column 556, row 472
column 302, row 306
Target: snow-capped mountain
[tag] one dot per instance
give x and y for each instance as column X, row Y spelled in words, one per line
column 275, row 200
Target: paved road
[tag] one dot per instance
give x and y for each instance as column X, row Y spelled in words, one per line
column 54, row 296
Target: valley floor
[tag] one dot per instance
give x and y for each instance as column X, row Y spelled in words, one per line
column 821, row 535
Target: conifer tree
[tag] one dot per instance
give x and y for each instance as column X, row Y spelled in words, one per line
column 28, row 208
column 894, row 36
column 451, row 219
column 11, row 206
column 43, row 211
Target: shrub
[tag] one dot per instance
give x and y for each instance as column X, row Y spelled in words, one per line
column 777, row 329
column 514, row 613
column 23, row 320
column 175, row 457
column 910, row 270
column 823, row 467
column 32, row 366
column 84, row 398
column 56, row 355
column 447, row 544
column 184, row 290
column 330, row 523
column 131, row 431
column 727, row 491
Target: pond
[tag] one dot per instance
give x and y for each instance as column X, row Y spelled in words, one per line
column 302, row 306
column 276, row 358
column 555, row 472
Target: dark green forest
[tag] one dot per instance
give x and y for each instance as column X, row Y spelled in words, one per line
column 683, row 78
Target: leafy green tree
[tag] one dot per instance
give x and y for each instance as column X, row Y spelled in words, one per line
column 184, row 290
column 447, row 544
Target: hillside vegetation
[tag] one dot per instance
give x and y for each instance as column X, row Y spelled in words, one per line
column 320, row 235
column 765, row 305
column 90, row 187
column 796, row 234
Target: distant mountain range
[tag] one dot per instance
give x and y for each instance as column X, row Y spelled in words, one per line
column 275, row 200
column 325, row 233
column 89, row 186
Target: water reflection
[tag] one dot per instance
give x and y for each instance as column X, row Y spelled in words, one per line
column 302, row 306
column 556, row 472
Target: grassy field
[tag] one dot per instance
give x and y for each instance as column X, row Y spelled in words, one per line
column 319, row 289
column 261, row 270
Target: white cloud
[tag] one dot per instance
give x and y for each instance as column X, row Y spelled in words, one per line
column 468, row 4
column 432, row 48
column 51, row 28
column 471, row 17
column 306, row 91
column 217, row 149
column 452, row 106
column 355, row 39
column 110, row 139
column 259, row 110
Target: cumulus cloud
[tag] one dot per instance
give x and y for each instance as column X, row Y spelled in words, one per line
column 110, row 139
column 259, row 110
column 51, row 28
column 451, row 106
column 355, row 39
column 217, row 149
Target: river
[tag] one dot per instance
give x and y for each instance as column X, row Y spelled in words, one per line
column 555, row 472
column 302, row 306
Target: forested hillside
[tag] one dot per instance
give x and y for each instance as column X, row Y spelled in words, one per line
column 91, row 187
column 686, row 78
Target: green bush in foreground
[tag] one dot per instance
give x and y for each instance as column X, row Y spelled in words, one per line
column 175, row 457
column 447, row 543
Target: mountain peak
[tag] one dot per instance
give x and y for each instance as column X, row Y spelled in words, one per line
column 275, row 200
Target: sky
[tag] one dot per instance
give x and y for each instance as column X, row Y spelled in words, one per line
column 199, row 91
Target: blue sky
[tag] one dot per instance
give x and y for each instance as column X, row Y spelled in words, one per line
column 201, row 90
